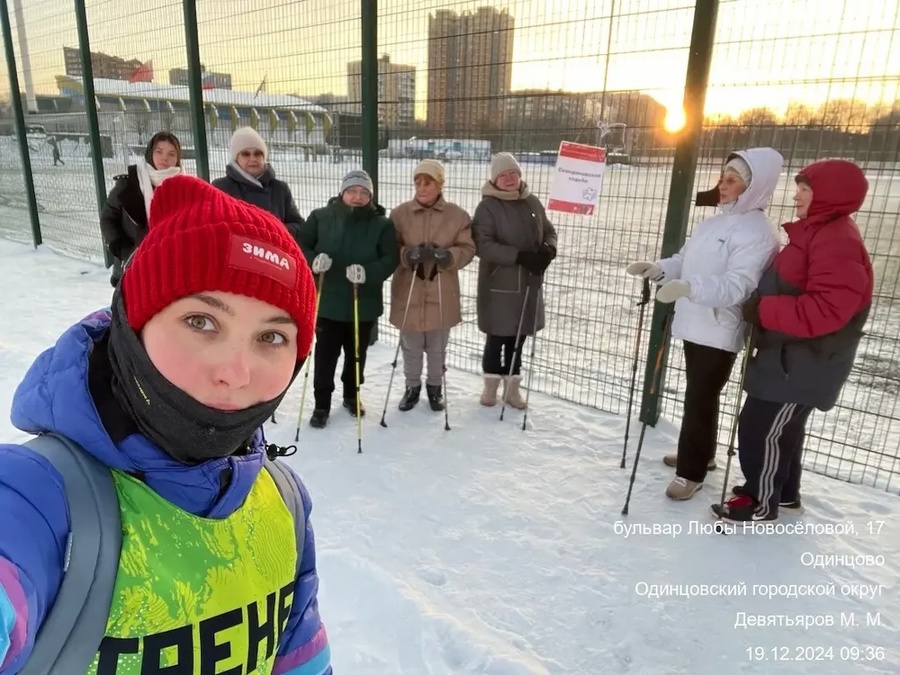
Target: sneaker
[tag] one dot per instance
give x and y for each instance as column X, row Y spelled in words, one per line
column 435, row 397
column 350, row 405
column 682, row 489
column 795, row 508
column 740, row 509
column 672, row 460
column 319, row 418
column 410, row 398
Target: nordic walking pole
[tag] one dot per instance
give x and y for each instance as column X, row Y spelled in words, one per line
column 531, row 357
column 321, row 282
column 732, row 436
column 443, row 355
column 356, row 360
column 654, row 385
column 412, row 283
column 512, row 360
column 645, row 300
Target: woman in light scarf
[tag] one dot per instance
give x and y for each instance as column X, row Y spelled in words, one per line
column 123, row 221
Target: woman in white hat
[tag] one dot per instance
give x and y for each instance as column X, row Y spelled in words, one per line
column 250, row 178
column 435, row 238
column 515, row 243
column 708, row 280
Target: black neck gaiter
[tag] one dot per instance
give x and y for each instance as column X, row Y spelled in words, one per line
column 184, row 428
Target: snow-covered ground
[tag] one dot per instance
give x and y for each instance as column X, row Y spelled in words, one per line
column 585, row 353
column 491, row 550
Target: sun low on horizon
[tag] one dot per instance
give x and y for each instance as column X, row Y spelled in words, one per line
column 767, row 53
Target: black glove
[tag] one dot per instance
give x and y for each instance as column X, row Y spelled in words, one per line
column 416, row 255
column 548, row 253
column 532, row 261
column 750, row 310
column 441, row 257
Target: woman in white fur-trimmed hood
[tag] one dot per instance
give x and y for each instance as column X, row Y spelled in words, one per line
column 123, row 220
column 709, row 279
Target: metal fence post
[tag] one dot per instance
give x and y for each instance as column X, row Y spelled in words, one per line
column 681, row 188
column 90, row 108
column 369, row 88
column 15, row 100
column 195, row 85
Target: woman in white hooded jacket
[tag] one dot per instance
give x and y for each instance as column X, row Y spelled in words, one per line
column 708, row 280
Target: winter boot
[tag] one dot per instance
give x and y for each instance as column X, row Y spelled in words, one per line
column 489, row 394
column 672, row 460
column 350, row 405
column 435, row 397
column 682, row 489
column 410, row 398
column 319, row 418
column 794, row 508
column 511, row 392
column 740, row 509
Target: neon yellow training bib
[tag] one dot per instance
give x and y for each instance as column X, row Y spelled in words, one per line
column 196, row 596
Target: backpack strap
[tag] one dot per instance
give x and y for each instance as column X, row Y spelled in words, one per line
column 72, row 632
column 290, row 493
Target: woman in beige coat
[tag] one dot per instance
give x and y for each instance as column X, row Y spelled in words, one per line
column 435, row 238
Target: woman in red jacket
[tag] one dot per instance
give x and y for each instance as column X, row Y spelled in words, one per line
column 808, row 312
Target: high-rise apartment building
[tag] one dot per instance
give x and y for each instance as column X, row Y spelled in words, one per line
column 103, row 65
column 469, row 69
column 396, row 92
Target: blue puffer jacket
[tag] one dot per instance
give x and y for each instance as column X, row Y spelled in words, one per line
column 34, row 517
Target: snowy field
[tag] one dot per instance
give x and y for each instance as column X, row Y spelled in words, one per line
column 489, row 550
column 585, row 353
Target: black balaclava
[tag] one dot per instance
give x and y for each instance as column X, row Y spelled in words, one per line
column 181, row 426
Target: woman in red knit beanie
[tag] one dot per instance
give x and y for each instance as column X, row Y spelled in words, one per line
column 166, row 392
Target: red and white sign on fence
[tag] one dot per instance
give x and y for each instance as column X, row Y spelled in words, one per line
column 576, row 184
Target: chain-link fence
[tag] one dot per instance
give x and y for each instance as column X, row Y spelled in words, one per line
column 14, row 216
column 831, row 80
column 460, row 80
column 470, row 102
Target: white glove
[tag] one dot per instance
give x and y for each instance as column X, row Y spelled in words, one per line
column 645, row 270
column 321, row 263
column 356, row 274
column 672, row 290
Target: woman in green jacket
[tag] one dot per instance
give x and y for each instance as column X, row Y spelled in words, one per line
column 348, row 242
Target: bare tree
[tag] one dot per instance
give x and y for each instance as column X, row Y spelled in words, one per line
column 758, row 117
column 799, row 115
column 844, row 114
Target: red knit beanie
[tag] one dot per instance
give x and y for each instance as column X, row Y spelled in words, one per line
column 201, row 239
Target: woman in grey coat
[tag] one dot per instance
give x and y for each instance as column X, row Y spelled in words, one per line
column 515, row 243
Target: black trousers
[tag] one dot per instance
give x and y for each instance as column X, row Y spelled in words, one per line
column 332, row 337
column 501, row 351
column 706, row 370
column 770, row 438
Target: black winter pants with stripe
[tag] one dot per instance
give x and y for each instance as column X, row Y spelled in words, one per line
column 770, row 445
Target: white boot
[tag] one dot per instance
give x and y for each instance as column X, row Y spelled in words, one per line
column 489, row 393
column 511, row 392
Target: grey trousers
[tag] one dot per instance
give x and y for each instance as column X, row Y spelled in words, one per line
column 431, row 343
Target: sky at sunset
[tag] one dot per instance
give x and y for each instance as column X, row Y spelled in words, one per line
column 768, row 52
